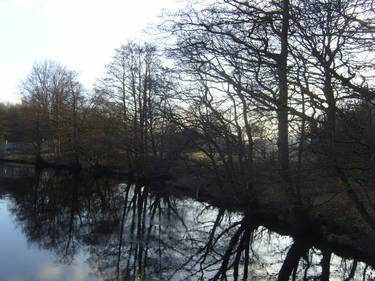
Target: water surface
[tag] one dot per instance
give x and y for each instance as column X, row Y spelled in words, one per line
column 75, row 227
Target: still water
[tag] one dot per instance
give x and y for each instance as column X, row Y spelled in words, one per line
column 73, row 227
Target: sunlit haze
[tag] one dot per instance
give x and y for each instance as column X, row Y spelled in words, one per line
column 80, row 34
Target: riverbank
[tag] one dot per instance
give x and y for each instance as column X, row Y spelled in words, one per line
column 328, row 220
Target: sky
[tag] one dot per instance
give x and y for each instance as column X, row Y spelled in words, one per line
column 81, row 34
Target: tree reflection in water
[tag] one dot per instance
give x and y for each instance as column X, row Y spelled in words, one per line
column 132, row 232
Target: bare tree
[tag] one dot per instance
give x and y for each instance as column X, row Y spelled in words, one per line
column 139, row 88
column 244, row 45
column 54, row 98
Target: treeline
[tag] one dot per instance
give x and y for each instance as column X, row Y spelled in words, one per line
column 122, row 122
column 245, row 89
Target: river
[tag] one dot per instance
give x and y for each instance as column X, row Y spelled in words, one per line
column 76, row 227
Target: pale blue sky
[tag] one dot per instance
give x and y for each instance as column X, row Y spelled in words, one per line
column 81, row 34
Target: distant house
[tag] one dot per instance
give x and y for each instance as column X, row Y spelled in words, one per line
column 16, row 172
column 16, row 147
column 24, row 147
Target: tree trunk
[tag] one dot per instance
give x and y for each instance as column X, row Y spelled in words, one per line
column 282, row 110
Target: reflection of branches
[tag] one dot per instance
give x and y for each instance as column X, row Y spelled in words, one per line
column 241, row 246
column 326, row 264
column 215, row 257
column 205, row 250
column 121, row 233
column 144, row 241
column 352, row 271
column 131, row 232
column 50, row 219
column 212, row 235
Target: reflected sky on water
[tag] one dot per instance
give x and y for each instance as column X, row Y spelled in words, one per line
column 75, row 227
column 20, row 260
